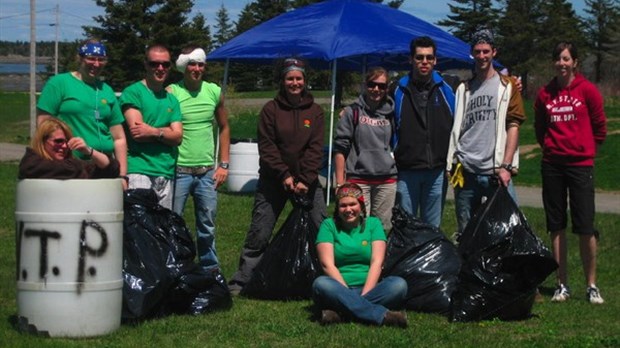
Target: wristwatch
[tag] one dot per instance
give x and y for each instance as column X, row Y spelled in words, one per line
column 224, row 165
column 507, row 166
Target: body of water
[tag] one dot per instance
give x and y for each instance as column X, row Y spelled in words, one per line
column 19, row 68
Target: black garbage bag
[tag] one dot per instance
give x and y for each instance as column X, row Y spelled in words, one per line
column 422, row 255
column 503, row 263
column 290, row 263
column 159, row 272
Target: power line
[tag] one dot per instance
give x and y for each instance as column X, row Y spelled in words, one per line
column 23, row 14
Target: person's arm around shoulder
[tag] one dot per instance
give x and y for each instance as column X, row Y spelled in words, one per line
column 221, row 117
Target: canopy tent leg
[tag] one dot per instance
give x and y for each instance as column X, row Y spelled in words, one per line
column 331, row 131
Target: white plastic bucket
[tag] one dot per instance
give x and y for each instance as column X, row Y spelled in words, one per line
column 243, row 172
column 69, row 256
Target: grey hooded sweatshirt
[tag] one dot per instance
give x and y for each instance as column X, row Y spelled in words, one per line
column 365, row 141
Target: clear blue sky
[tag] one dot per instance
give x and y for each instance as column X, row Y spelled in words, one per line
column 73, row 14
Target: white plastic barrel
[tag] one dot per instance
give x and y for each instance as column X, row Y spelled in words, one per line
column 69, row 256
column 243, row 172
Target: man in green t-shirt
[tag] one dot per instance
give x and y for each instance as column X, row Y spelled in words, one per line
column 153, row 128
column 197, row 174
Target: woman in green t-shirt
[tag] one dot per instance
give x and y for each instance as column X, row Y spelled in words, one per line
column 351, row 250
column 87, row 104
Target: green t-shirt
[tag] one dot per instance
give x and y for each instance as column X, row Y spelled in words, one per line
column 90, row 111
column 352, row 249
column 158, row 110
column 197, row 109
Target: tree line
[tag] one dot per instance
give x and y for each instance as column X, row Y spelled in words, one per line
column 526, row 31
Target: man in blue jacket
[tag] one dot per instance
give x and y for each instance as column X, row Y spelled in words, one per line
column 424, row 109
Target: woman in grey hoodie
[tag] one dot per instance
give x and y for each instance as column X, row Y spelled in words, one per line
column 362, row 152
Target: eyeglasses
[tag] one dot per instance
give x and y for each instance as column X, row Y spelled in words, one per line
column 153, row 64
column 199, row 64
column 421, row 57
column 92, row 60
column 371, row 85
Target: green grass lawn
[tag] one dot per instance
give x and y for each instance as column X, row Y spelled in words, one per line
column 255, row 323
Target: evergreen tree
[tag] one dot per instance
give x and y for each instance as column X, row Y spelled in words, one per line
column 468, row 16
column 129, row 26
column 600, row 26
column 516, row 35
column 559, row 22
column 223, row 27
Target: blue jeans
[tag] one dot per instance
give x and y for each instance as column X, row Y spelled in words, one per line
column 389, row 293
column 202, row 188
column 469, row 198
column 424, row 189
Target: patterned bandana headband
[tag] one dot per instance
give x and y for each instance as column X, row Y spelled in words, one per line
column 350, row 190
column 482, row 36
column 197, row 55
column 292, row 64
column 92, row 49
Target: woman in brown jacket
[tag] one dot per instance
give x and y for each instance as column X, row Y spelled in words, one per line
column 290, row 145
column 50, row 156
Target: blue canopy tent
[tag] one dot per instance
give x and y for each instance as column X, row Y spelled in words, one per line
column 342, row 35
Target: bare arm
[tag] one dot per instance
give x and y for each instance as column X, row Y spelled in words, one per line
column 100, row 159
column 328, row 263
column 339, row 163
column 221, row 116
column 512, row 141
column 376, row 262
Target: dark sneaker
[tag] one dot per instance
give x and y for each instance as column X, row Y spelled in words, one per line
column 329, row 317
column 393, row 318
column 594, row 295
column 561, row 294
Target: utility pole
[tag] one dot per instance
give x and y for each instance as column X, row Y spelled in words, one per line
column 33, row 72
column 56, row 43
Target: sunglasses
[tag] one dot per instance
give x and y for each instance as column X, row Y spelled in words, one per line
column 92, row 60
column 371, row 85
column 199, row 64
column 59, row 141
column 295, row 62
column 153, row 64
column 421, row 57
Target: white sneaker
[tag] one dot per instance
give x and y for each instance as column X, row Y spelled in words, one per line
column 561, row 294
column 594, row 295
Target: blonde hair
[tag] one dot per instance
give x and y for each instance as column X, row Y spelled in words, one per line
column 44, row 131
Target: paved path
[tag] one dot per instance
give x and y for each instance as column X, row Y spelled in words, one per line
column 606, row 202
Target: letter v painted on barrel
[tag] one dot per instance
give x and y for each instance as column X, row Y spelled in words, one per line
column 87, row 249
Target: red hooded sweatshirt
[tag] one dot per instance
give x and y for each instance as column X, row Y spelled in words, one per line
column 570, row 122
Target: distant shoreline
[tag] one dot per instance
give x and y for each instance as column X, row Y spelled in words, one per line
column 15, row 59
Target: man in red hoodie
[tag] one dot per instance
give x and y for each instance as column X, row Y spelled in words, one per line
column 570, row 125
